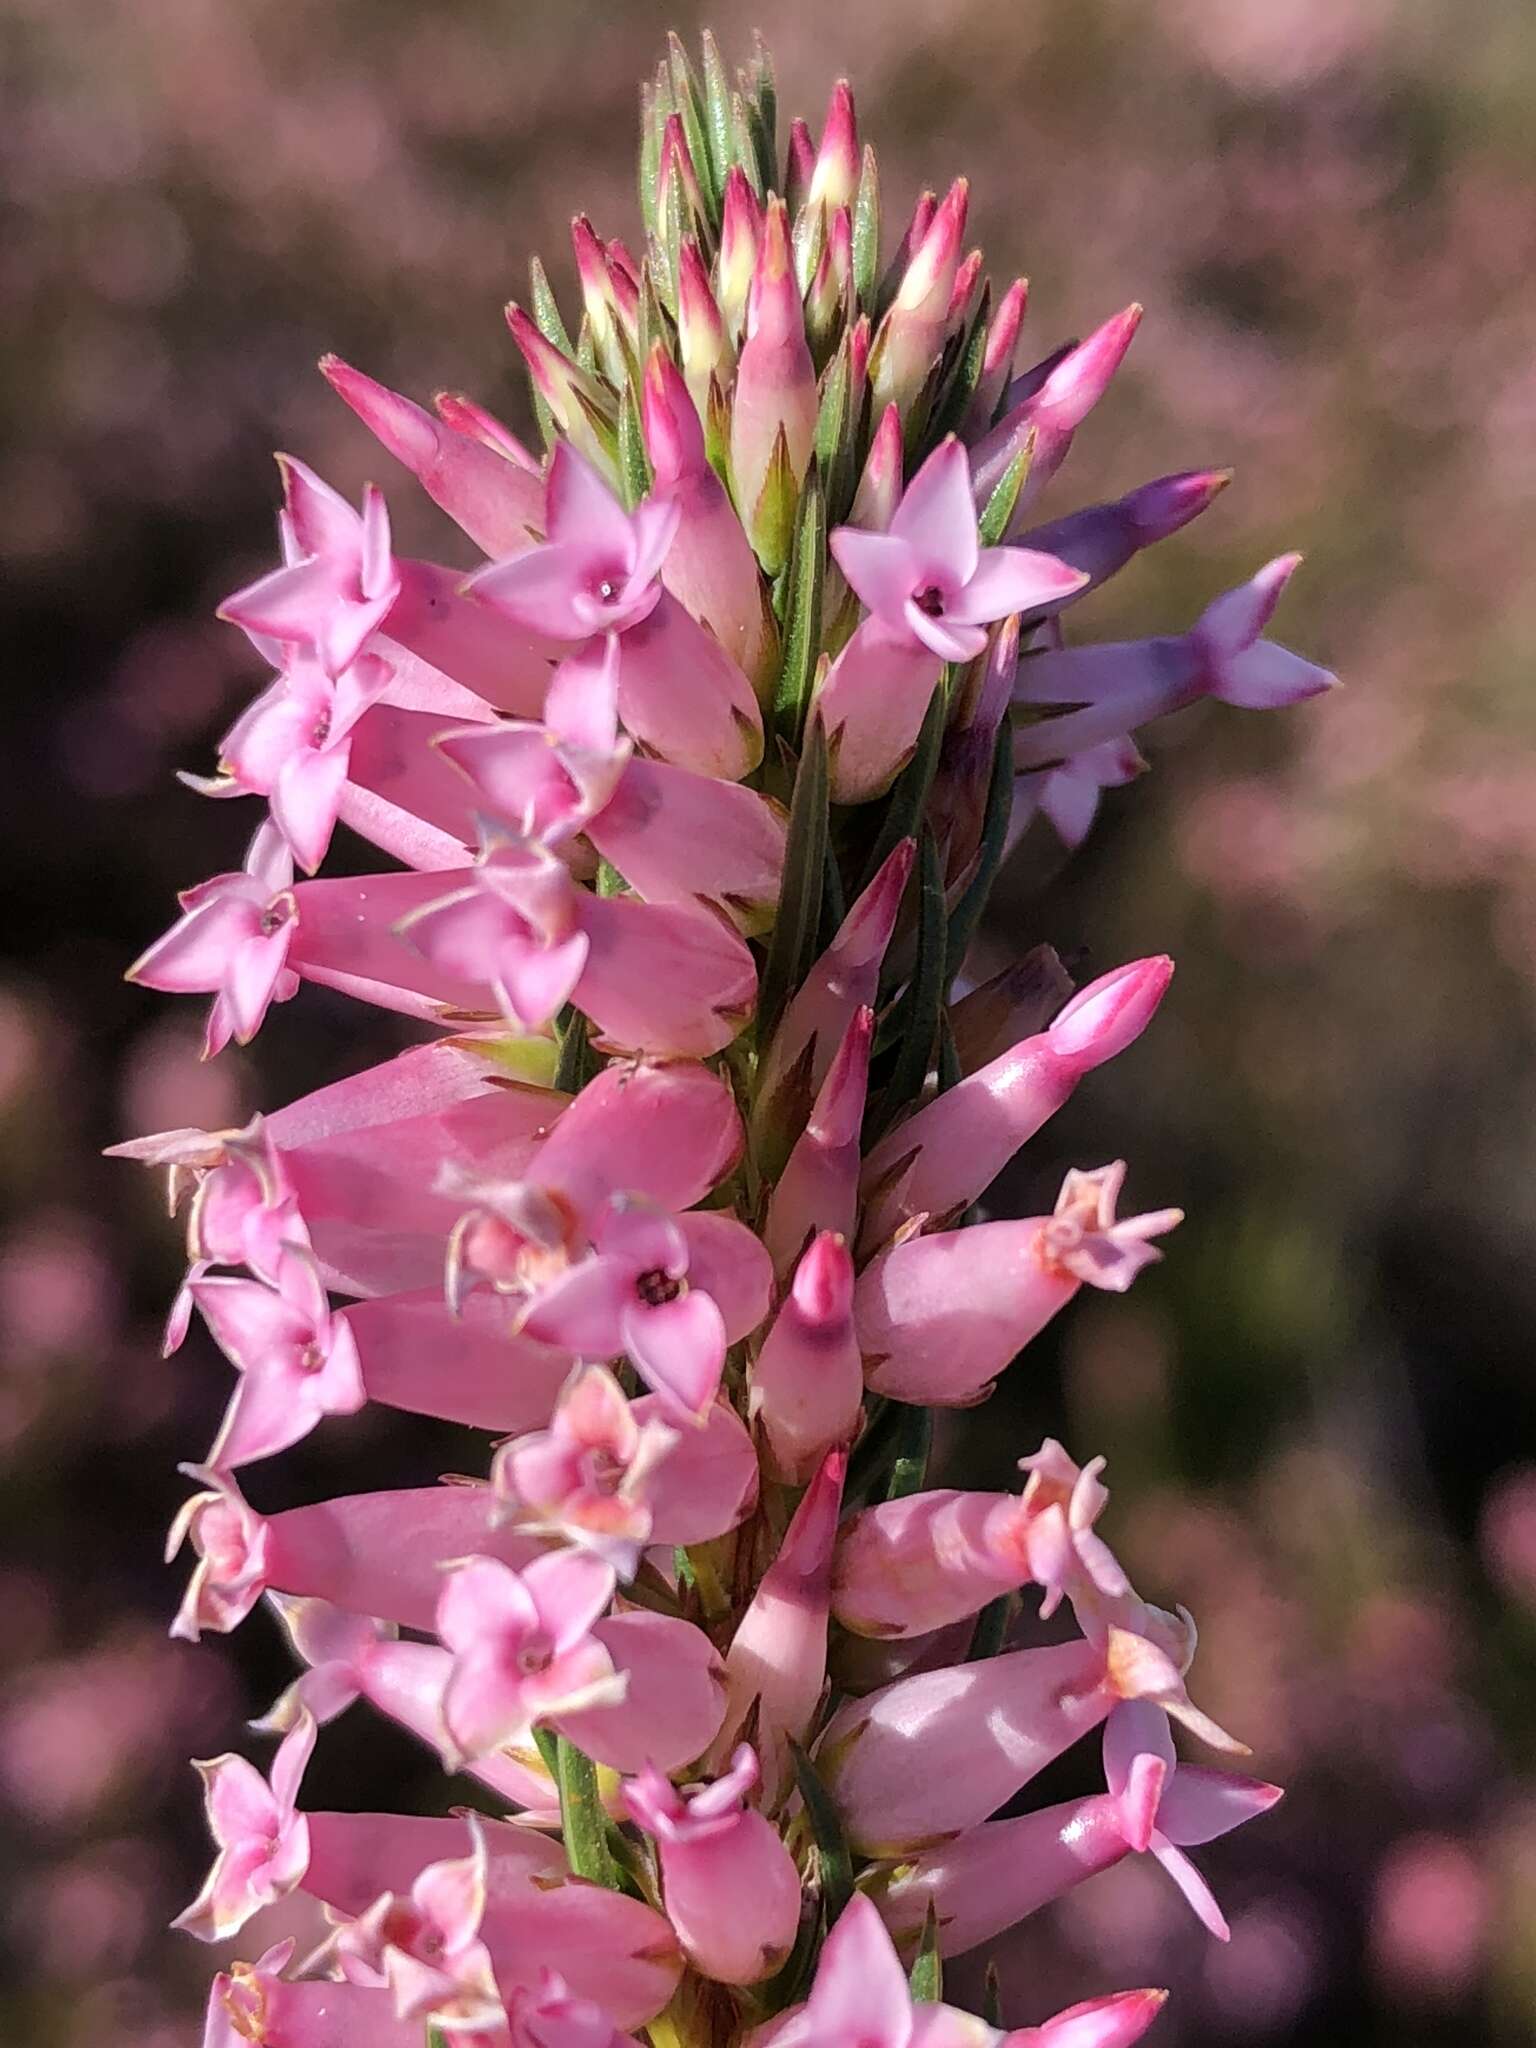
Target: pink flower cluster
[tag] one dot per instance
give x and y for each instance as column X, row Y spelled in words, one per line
column 694, row 791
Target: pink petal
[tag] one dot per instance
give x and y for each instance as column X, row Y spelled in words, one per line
column 376, row 567
column 860, row 1993
column 582, row 706
column 949, row 640
column 484, row 1602
column 727, row 1262
column 881, row 570
column 288, row 1766
column 581, row 511
column 654, row 524
column 537, row 981
column 1135, row 1728
column 271, row 1409
column 1008, row 580
column 305, row 800
column 583, row 1310
column 249, row 1322
column 1199, row 1805
column 319, row 519
column 547, row 590
column 292, row 605
column 1201, row 1899
column 937, row 516
column 644, row 1238
column 570, row 1589
column 240, row 1803
column 197, row 952
column 255, row 978
column 679, row 1350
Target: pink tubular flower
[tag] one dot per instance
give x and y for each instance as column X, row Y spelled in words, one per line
column 297, row 1362
column 551, row 2017
column 523, row 1648
column 251, row 2005
column 939, row 1317
column 927, row 578
column 597, row 570
column 335, row 1550
column 776, row 1665
column 587, row 1477
column 729, row 1885
column 861, row 1994
column 490, row 489
column 633, row 1293
column 908, row 1566
column 807, row 1385
column 931, row 590
column 263, row 1840
column 950, row 1151
column 991, row 1877
column 339, row 580
column 294, row 747
column 426, row 1948
column 232, row 943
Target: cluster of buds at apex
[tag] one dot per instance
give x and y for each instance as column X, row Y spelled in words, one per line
column 686, row 800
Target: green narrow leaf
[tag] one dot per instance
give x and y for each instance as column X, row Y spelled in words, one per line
column 546, row 310
column 763, row 99
column 582, row 1819
column 837, row 428
column 578, row 1063
column 833, row 1858
column 999, row 508
column 609, row 881
column 834, row 905
column 717, row 112
column 949, row 1057
column 966, row 915
column 650, row 156
column 869, row 1463
column 991, row 1630
column 955, row 399
column 690, row 105
column 992, row 1997
column 908, row 799
column 866, row 232
column 792, row 946
column 634, row 464
column 914, row 1441
column 802, row 620
column 771, row 528
column 923, row 1000
column 746, row 141
column 925, row 1980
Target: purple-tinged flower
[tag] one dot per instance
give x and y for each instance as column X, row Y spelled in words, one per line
column 231, row 942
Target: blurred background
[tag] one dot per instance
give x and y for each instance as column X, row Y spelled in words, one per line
column 1320, row 1413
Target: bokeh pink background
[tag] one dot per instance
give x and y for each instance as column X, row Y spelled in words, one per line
column 1320, row 1414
